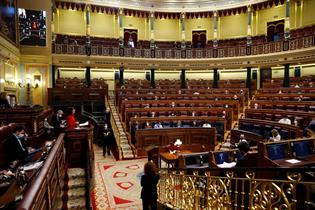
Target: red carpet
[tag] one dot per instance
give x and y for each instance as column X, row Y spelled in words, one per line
column 117, row 185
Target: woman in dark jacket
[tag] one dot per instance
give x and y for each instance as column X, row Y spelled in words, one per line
column 149, row 191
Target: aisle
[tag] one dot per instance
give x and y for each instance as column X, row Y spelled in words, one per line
column 117, row 183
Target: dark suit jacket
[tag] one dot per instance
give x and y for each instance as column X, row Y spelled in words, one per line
column 107, row 118
column 149, row 190
column 56, row 122
column 13, row 149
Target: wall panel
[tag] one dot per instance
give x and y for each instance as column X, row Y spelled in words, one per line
column 199, row 24
column 103, row 25
column 70, row 22
column 232, row 26
column 268, row 15
column 308, row 14
column 167, row 29
column 138, row 23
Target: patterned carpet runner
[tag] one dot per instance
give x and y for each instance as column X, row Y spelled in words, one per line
column 117, row 183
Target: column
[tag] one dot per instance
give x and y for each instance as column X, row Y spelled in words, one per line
column 121, row 75
column 88, row 31
column 183, row 43
column 53, row 11
column 88, row 75
column 215, row 32
column 286, row 79
column 152, row 78
column 152, row 45
column 249, row 25
column 121, row 32
column 215, row 78
column 183, row 78
column 53, row 75
column 287, row 21
column 249, row 81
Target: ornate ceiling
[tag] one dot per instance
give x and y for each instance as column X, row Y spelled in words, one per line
column 172, row 5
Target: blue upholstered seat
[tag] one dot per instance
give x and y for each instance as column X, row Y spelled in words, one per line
column 221, row 157
column 276, row 151
column 302, row 148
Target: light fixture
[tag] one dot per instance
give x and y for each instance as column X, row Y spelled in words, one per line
column 28, row 83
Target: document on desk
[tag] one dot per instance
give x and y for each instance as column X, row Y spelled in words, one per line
column 84, row 124
column 293, row 161
column 33, row 166
column 226, row 165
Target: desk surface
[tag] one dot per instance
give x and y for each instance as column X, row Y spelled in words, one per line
column 169, row 157
column 304, row 162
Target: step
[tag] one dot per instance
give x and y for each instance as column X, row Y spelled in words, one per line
column 75, row 173
column 76, row 193
column 76, row 204
column 76, row 183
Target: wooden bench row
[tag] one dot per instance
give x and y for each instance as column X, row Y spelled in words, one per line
column 284, row 105
column 226, row 113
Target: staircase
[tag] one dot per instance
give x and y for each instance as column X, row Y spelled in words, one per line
column 74, row 197
column 125, row 150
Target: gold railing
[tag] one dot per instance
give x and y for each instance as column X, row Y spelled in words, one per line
column 222, row 189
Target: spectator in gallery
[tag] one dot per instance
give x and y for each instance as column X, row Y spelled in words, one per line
column 310, row 84
column 241, row 92
column 71, row 121
column 275, row 136
column 300, row 98
column 4, row 102
column 149, row 190
column 179, row 91
column 131, row 42
column 194, row 124
column 285, row 120
column 179, row 124
column 147, row 125
column 280, row 92
column 193, row 113
column 235, row 97
column 156, row 98
column 226, row 92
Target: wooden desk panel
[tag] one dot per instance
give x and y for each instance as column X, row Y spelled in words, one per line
column 165, row 136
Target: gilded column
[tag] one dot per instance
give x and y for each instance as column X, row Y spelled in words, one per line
column 249, row 25
column 215, row 29
column 88, row 30
column 121, row 32
column 287, row 20
column 183, row 44
column 152, row 45
column 53, row 11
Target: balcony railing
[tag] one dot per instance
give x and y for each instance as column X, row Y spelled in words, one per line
column 238, row 189
column 175, row 53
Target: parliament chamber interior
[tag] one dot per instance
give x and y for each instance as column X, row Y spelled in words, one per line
column 217, row 96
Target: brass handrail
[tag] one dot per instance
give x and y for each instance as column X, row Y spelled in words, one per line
column 237, row 189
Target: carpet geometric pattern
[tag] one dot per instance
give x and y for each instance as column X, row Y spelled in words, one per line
column 117, row 185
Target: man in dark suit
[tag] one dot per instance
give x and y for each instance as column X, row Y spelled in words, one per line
column 57, row 121
column 16, row 148
column 107, row 116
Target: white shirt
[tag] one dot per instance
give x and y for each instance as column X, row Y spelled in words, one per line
column 206, row 125
column 276, row 138
column 285, row 121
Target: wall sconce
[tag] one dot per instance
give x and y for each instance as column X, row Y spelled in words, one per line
column 28, row 82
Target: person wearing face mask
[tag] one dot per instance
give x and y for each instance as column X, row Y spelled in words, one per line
column 16, row 148
column 106, row 140
column 58, row 122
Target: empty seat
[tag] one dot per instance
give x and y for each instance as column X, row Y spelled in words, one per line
column 302, row 148
column 276, row 151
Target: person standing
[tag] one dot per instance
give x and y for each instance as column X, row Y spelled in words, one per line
column 4, row 103
column 106, row 140
column 71, row 121
column 107, row 116
column 149, row 190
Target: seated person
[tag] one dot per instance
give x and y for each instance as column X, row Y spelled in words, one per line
column 4, row 103
column 158, row 125
column 275, row 136
column 175, row 146
column 310, row 129
column 131, row 42
column 16, row 148
column 47, row 126
column 57, row 121
column 243, row 148
column 285, row 120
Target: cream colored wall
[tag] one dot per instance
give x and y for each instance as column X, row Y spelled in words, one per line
column 172, row 75
column 233, row 26
column 167, row 29
column 71, row 73
column 134, row 74
column 70, row 22
column 190, row 75
column 308, row 70
column 103, row 25
column 196, row 24
column 268, row 15
column 232, row 74
column 107, row 74
column 308, row 14
column 139, row 23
